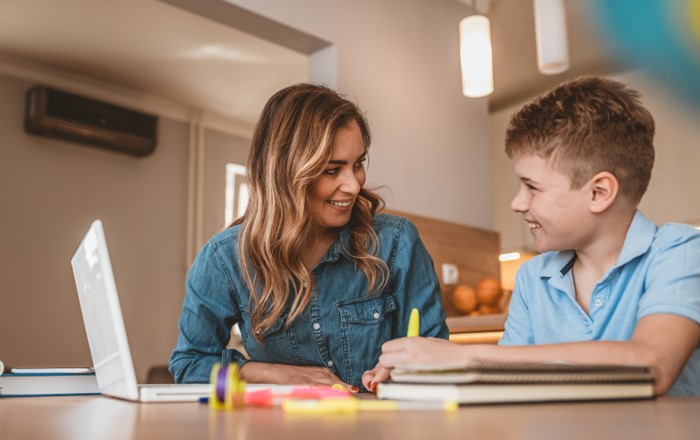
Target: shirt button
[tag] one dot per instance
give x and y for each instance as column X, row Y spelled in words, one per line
column 329, row 363
column 376, row 315
column 316, row 326
column 598, row 302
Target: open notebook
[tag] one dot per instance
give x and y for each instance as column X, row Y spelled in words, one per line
column 106, row 334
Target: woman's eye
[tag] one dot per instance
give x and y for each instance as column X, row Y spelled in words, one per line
column 360, row 163
column 331, row 171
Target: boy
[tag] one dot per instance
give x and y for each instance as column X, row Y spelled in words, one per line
column 610, row 286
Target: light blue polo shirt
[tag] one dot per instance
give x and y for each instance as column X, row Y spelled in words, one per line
column 658, row 271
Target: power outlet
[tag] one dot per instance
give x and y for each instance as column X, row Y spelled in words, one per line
column 450, row 274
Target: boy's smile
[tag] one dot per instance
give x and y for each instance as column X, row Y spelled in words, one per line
column 556, row 215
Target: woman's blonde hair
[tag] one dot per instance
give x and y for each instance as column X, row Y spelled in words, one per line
column 291, row 148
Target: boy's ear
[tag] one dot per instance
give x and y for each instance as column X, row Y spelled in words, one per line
column 604, row 188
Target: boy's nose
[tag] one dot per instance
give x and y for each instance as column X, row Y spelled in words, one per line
column 519, row 203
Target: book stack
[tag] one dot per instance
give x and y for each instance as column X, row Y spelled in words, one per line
column 48, row 382
column 489, row 382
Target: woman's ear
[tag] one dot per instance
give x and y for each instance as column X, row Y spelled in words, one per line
column 604, row 188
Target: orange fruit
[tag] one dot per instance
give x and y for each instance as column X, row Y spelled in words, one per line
column 464, row 298
column 486, row 309
column 488, row 291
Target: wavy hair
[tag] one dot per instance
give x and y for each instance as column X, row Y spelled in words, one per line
column 291, row 148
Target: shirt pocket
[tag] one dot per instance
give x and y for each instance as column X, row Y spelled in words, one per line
column 366, row 310
column 365, row 324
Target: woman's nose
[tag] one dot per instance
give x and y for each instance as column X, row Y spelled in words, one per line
column 350, row 184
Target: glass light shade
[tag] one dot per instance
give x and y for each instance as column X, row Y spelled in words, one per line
column 476, row 56
column 550, row 33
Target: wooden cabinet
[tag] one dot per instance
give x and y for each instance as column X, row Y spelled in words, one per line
column 486, row 329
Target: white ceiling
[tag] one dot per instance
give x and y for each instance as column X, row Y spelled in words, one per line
column 154, row 47
column 516, row 77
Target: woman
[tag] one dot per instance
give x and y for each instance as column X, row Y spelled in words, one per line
column 316, row 280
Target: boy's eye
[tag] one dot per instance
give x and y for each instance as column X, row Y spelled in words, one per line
column 530, row 186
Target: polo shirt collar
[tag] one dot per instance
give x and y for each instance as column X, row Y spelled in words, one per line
column 559, row 265
column 640, row 236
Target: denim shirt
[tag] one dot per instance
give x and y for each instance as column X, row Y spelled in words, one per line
column 342, row 328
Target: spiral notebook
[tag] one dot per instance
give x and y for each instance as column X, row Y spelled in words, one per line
column 488, row 382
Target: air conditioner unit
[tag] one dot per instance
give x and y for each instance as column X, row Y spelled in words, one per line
column 58, row 114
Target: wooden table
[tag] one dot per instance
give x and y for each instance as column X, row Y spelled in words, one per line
column 102, row 418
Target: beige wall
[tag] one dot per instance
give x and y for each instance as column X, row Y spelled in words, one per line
column 672, row 193
column 50, row 191
column 399, row 59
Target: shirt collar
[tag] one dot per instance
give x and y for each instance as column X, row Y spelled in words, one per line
column 562, row 262
column 339, row 247
column 640, row 236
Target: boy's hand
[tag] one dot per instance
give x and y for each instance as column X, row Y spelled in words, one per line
column 422, row 351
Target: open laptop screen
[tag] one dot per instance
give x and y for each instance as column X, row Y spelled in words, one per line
column 102, row 316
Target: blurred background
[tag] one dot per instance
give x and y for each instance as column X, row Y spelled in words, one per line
column 204, row 69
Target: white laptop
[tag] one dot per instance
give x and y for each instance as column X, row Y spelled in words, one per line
column 105, row 330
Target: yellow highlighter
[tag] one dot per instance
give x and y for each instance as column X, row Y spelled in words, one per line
column 414, row 324
column 351, row 405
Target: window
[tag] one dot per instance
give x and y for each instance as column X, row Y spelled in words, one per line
column 236, row 192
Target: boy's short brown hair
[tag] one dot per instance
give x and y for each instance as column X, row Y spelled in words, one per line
column 587, row 126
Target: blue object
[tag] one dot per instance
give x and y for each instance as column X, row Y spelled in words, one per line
column 657, row 272
column 657, row 35
column 342, row 328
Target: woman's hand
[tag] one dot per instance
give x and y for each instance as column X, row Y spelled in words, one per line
column 261, row 372
column 371, row 378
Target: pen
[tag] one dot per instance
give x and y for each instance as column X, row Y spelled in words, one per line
column 413, row 324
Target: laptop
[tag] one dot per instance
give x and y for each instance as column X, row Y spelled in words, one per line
column 106, row 334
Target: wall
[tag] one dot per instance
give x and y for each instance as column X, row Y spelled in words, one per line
column 672, row 192
column 399, row 60
column 220, row 149
column 50, row 191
